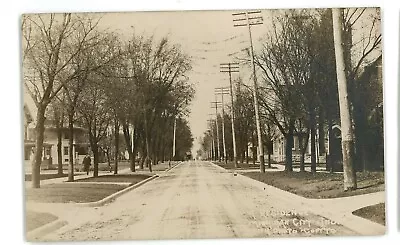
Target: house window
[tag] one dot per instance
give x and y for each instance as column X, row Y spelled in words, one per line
column 66, row 136
column 66, row 150
column 48, row 151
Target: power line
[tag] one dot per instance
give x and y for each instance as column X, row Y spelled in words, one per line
column 250, row 18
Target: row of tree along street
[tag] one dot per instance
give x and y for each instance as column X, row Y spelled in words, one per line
column 307, row 59
column 78, row 73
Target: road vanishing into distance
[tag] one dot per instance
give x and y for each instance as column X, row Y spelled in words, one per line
column 195, row 200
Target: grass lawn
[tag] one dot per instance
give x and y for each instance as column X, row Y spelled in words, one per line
column 241, row 166
column 320, row 185
column 71, row 192
column 125, row 164
column 35, row 219
column 28, row 177
column 375, row 213
column 123, row 178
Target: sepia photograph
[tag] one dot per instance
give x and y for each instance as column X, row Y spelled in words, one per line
column 201, row 124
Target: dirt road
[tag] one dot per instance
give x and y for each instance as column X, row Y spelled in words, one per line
column 195, row 200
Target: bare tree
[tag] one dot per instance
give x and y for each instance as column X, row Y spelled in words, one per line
column 362, row 43
column 96, row 115
column 285, row 63
column 155, row 68
column 50, row 44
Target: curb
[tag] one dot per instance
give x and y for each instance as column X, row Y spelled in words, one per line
column 112, row 197
column 176, row 165
column 45, row 229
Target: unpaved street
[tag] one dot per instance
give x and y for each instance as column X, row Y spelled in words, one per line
column 195, row 200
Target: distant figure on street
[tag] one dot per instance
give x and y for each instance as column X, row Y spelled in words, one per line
column 86, row 164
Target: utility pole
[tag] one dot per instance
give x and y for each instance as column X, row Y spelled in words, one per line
column 212, row 140
column 250, row 18
column 230, row 68
column 350, row 181
column 215, row 105
column 221, row 91
column 212, row 149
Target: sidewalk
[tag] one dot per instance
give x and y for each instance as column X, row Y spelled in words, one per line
column 336, row 209
column 156, row 169
column 28, row 184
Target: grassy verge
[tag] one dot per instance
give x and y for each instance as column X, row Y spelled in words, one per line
column 124, row 178
column 125, row 164
column 71, row 192
column 375, row 213
column 241, row 166
column 35, row 219
column 320, row 185
column 28, row 177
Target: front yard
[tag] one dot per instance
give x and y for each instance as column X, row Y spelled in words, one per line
column 71, row 192
column 123, row 178
column 320, row 185
column 375, row 213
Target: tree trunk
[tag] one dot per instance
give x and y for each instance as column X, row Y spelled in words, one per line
column 269, row 160
column 269, row 148
column 71, row 146
column 38, row 154
column 95, row 161
column 303, row 149
column 142, row 159
column 313, row 151
column 148, row 159
column 288, row 152
column 155, row 159
column 59, row 150
column 116, row 143
column 132, row 158
column 163, row 154
column 132, row 161
column 131, row 150
column 330, row 165
column 350, row 182
column 108, row 158
column 288, row 148
column 302, row 152
column 312, row 141
column 253, row 149
column 247, row 155
column 321, row 135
